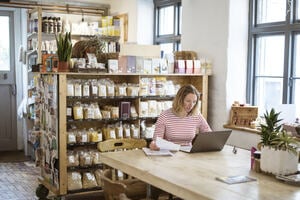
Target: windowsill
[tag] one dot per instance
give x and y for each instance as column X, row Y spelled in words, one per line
column 240, row 128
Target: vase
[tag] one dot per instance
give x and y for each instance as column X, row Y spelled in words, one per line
column 278, row 162
column 63, row 66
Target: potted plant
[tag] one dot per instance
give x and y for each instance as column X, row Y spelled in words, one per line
column 279, row 154
column 64, row 50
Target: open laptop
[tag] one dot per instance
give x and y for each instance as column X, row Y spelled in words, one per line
column 209, row 141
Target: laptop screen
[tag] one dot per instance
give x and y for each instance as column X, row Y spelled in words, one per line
column 210, row 141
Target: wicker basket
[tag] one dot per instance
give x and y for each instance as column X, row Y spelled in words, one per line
column 243, row 115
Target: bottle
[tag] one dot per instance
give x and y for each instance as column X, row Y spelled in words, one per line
column 54, row 25
column 45, row 25
column 35, row 25
column 50, row 22
column 256, row 165
column 59, row 25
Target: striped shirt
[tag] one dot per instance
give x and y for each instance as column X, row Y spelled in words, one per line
column 180, row 130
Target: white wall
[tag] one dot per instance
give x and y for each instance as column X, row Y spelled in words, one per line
column 218, row 30
column 127, row 7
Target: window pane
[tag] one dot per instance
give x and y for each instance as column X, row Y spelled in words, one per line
column 297, row 56
column 4, row 44
column 270, row 11
column 270, row 56
column 268, row 92
column 166, row 19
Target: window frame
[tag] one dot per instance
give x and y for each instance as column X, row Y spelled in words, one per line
column 289, row 28
column 174, row 38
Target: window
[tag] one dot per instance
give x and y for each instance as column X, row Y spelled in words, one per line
column 274, row 54
column 4, row 44
column 167, row 28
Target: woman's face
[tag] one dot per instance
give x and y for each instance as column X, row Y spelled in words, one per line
column 189, row 102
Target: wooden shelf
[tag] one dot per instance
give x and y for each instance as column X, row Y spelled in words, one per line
column 251, row 130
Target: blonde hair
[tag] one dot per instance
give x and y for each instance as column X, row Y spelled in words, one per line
column 179, row 99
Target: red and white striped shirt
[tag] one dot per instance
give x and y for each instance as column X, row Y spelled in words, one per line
column 180, row 130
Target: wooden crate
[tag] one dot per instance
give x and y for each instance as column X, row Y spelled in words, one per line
column 243, row 115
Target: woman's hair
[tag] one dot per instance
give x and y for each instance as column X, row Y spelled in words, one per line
column 179, row 99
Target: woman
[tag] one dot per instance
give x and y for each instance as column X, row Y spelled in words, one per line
column 180, row 123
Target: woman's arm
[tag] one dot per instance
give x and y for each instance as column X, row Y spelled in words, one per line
column 203, row 125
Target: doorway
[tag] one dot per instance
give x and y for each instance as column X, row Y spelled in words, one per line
column 8, row 120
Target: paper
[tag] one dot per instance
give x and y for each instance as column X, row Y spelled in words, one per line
column 235, row 179
column 161, row 152
column 164, row 144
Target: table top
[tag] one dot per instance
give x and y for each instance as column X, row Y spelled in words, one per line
column 192, row 176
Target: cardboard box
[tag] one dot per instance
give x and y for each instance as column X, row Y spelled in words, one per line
column 189, row 66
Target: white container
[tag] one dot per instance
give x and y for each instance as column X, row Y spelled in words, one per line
column 278, row 162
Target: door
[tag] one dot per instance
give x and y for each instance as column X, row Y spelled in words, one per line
column 8, row 123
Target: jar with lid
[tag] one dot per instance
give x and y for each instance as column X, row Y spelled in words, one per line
column 35, row 25
column 45, row 25
column 54, row 24
column 59, row 25
column 50, row 22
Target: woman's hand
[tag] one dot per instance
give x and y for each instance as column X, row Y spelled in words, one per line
column 153, row 146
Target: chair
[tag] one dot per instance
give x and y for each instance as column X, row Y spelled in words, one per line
column 121, row 189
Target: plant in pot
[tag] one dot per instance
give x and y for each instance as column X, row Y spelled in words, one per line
column 279, row 150
column 64, row 51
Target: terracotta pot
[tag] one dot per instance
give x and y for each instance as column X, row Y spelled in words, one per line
column 63, row 66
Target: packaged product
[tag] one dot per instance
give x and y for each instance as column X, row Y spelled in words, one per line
column 96, row 157
column 77, row 88
column 78, row 111
column 74, row 181
column 121, row 89
column 85, row 159
column 97, row 174
column 73, row 159
column 88, row 180
column 71, row 137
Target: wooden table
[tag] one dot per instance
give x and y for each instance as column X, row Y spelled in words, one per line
column 192, row 176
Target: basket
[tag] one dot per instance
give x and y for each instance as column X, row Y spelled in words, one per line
column 243, row 115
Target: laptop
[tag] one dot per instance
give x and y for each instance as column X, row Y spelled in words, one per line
column 208, row 141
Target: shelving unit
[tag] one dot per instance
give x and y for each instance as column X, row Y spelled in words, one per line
column 61, row 169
